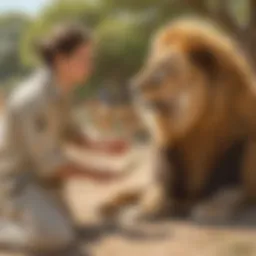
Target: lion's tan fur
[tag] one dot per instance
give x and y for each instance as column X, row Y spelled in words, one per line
column 230, row 114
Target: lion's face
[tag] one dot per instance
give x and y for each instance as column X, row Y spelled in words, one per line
column 172, row 93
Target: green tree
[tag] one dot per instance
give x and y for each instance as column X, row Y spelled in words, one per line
column 123, row 29
column 86, row 12
column 12, row 27
column 121, row 38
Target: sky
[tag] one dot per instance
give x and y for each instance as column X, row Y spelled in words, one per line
column 29, row 6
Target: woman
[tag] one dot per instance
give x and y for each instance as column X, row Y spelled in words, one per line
column 32, row 163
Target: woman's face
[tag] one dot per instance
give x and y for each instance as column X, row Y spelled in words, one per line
column 79, row 64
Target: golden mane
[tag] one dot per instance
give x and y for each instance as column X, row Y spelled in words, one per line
column 193, row 34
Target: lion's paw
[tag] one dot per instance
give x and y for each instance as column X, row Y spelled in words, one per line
column 222, row 208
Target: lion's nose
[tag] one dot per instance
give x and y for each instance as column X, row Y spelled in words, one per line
column 134, row 86
column 138, row 87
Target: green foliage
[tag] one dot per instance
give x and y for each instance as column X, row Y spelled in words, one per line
column 122, row 30
column 120, row 46
column 121, row 37
column 61, row 11
column 11, row 28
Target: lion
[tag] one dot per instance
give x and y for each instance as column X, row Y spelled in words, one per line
column 197, row 95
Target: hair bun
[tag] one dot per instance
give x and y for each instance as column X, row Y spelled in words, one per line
column 45, row 50
column 63, row 39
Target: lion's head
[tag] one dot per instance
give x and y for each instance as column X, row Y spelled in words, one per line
column 191, row 72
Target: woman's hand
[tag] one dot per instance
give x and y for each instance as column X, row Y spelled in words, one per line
column 112, row 147
column 96, row 166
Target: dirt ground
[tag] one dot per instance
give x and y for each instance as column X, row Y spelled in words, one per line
column 179, row 238
column 169, row 237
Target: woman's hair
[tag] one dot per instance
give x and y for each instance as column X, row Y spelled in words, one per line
column 63, row 39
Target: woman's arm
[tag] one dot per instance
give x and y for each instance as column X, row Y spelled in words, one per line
column 72, row 170
column 75, row 135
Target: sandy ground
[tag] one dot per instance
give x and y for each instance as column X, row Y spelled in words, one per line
column 169, row 237
column 179, row 238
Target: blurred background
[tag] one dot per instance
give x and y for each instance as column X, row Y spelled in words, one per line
column 122, row 29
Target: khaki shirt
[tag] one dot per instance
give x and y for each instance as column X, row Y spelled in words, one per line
column 36, row 120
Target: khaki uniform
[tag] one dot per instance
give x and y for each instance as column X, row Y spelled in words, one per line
column 36, row 120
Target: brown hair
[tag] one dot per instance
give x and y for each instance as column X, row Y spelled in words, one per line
column 63, row 39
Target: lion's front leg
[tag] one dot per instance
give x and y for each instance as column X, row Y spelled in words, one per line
column 147, row 203
column 126, row 198
column 152, row 201
column 229, row 197
column 249, row 172
column 158, row 200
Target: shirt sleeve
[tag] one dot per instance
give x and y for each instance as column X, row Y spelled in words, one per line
column 37, row 135
column 73, row 130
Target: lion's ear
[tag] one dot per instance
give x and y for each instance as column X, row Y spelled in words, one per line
column 205, row 60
